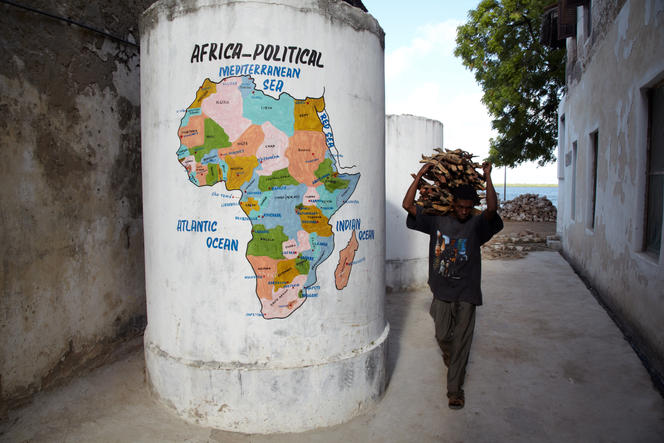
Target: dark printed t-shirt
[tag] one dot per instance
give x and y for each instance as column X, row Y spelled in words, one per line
column 455, row 263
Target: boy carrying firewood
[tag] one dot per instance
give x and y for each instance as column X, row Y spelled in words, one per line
column 454, row 264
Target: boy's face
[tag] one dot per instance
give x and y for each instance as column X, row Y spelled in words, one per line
column 462, row 209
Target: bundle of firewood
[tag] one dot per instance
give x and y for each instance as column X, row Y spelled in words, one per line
column 450, row 169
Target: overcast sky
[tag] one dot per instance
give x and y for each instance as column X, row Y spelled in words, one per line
column 424, row 78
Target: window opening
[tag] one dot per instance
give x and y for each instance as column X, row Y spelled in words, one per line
column 561, row 149
column 588, row 18
column 655, row 171
column 573, row 181
column 594, row 142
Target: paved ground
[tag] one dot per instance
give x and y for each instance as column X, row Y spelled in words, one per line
column 547, row 365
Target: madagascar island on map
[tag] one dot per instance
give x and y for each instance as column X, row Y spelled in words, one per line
column 277, row 152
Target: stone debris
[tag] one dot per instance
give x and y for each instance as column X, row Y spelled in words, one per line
column 450, row 169
column 553, row 242
column 514, row 245
column 529, row 207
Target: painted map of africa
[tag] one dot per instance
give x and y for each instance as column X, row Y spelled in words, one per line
column 278, row 153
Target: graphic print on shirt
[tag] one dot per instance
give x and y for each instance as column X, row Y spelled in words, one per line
column 450, row 255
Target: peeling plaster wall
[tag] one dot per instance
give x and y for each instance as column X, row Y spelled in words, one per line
column 407, row 137
column 71, row 222
column 607, row 94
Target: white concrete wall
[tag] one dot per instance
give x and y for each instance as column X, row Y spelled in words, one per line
column 407, row 137
column 606, row 93
column 211, row 355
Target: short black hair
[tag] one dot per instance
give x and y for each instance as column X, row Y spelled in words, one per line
column 466, row 192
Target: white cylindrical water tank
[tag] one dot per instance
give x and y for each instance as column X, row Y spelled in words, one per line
column 263, row 144
column 407, row 137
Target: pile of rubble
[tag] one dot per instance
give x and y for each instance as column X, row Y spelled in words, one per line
column 529, row 207
column 514, row 245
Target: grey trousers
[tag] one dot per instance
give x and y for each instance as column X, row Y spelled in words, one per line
column 454, row 322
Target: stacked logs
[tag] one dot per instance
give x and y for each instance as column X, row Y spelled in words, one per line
column 449, row 170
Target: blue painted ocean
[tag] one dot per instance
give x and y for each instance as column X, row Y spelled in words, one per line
column 514, row 191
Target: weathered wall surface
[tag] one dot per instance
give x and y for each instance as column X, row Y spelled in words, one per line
column 609, row 97
column 72, row 277
column 407, row 137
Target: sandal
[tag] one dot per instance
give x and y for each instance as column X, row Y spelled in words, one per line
column 456, row 401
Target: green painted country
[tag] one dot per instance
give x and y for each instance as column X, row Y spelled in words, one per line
column 267, row 242
column 302, row 265
column 328, row 176
column 215, row 138
column 278, row 178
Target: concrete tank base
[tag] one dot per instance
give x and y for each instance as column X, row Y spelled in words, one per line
column 263, row 399
column 406, row 274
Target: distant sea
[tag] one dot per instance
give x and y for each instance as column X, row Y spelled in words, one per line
column 550, row 192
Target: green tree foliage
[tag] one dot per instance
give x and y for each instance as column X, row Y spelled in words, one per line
column 522, row 79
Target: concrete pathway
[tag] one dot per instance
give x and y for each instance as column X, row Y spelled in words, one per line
column 547, row 364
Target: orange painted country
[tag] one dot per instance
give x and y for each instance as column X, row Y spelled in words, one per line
column 265, row 269
column 345, row 265
column 194, row 133
column 245, row 145
column 201, row 174
column 306, row 150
